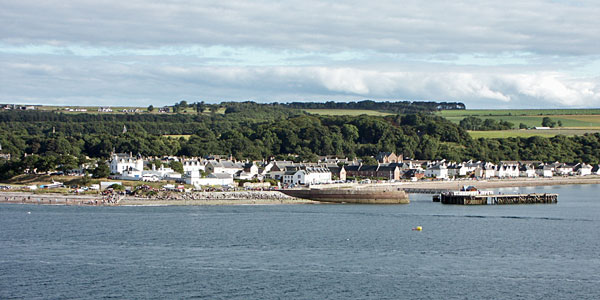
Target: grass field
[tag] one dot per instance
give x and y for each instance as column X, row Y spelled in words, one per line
column 570, row 121
column 517, row 112
column 529, row 133
column 346, row 112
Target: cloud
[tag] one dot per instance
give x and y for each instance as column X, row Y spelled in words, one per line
column 154, row 82
column 531, row 53
column 388, row 26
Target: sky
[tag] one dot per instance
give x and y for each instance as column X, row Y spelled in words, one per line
column 485, row 53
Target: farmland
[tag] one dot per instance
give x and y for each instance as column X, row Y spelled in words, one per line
column 517, row 112
column 346, row 112
column 570, row 118
column 529, row 133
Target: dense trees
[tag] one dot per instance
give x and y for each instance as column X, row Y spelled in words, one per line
column 251, row 131
column 390, row 106
column 547, row 122
column 474, row 123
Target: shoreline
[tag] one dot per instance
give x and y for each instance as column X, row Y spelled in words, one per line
column 268, row 197
column 502, row 183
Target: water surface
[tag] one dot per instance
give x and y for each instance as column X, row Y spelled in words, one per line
column 306, row 251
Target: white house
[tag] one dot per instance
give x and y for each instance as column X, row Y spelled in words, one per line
column 489, row 171
column 583, row 169
column 307, row 176
column 563, row 169
column 249, row 172
column 527, row 171
column 438, row 171
column 126, row 164
column 193, row 178
column 279, row 168
column 190, row 165
column 503, row 171
column 457, row 170
column 225, row 166
column 161, row 173
column 544, row 171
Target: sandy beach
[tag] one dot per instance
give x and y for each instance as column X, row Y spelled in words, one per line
column 267, row 197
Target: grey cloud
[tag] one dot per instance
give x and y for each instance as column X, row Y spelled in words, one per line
column 94, row 81
column 538, row 26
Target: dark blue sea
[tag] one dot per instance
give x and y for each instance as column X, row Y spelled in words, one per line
column 306, row 251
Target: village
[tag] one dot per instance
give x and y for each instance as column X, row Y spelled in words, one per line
column 220, row 171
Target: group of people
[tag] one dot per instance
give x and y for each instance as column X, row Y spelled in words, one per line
column 252, row 195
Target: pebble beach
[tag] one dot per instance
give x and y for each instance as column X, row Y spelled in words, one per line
column 266, row 197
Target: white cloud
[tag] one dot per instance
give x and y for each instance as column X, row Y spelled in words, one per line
column 530, row 53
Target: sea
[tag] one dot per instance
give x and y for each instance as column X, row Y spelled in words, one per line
column 309, row 251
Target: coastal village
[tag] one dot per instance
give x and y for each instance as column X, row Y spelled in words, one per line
column 225, row 171
column 215, row 170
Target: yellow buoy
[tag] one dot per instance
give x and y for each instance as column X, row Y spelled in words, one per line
column 418, row 228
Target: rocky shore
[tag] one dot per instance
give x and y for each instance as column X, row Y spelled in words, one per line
column 266, row 197
column 162, row 198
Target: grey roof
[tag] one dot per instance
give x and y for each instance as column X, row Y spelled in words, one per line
column 220, row 175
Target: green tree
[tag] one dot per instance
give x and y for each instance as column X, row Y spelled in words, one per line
column 101, row 171
column 117, row 187
column 368, row 160
column 177, row 166
column 150, row 108
column 547, row 122
column 522, row 126
column 85, row 180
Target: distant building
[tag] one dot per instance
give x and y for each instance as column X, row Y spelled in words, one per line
column 439, row 171
column 217, row 179
column 126, row 164
column 388, row 157
column 308, row 176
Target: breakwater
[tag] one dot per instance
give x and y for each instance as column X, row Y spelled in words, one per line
column 356, row 196
column 492, row 199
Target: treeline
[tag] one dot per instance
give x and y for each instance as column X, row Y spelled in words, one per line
column 57, row 140
column 231, row 133
column 389, row 106
column 399, row 107
column 474, row 123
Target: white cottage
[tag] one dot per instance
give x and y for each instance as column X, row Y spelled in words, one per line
column 192, row 165
column 126, row 164
column 307, row 176
column 583, row 169
column 438, row 171
column 194, row 178
column 527, row 171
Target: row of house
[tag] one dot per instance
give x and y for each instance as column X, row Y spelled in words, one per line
column 218, row 171
column 445, row 170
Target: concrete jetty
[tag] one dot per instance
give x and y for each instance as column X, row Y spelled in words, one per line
column 496, row 199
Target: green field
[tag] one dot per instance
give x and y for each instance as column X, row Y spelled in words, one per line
column 517, row 112
column 570, row 121
column 570, row 118
column 346, row 112
column 529, row 133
